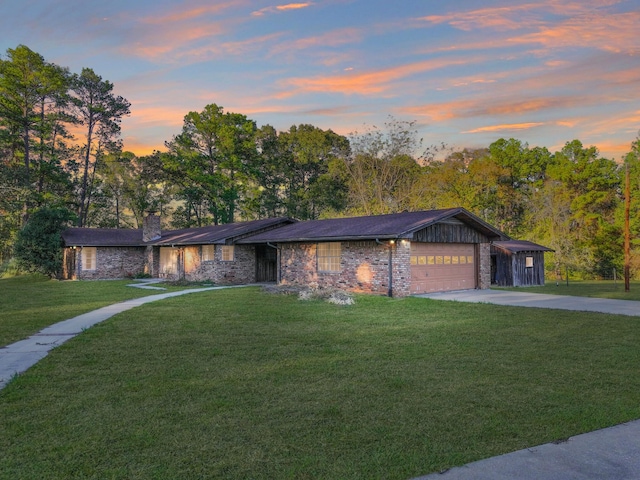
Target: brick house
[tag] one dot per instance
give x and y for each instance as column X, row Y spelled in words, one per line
column 397, row 255
column 204, row 253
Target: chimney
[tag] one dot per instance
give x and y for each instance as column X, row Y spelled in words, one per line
column 151, row 227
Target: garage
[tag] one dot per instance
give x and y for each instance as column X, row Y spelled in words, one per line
column 441, row 267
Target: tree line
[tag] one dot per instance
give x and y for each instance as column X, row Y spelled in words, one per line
column 60, row 148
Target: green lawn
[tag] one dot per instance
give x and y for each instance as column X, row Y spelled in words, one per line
column 241, row 384
column 587, row 288
column 29, row 303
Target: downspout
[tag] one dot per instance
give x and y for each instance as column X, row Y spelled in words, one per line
column 278, row 273
column 390, row 245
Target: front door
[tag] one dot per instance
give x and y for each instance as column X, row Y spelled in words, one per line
column 266, row 264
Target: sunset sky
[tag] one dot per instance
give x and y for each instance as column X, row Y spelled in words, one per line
column 468, row 72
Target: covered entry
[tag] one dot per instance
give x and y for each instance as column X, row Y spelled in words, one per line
column 440, row 267
column 266, row 264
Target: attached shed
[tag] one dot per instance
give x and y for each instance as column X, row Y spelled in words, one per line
column 517, row 263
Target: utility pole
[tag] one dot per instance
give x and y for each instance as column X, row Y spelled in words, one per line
column 627, row 234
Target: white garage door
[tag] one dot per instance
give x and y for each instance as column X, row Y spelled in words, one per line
column 441, row 267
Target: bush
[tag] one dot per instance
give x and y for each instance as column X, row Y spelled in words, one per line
column 38, row 247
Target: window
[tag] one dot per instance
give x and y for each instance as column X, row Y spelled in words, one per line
column 88, row 258
column 168, row 261
column 207, row 253
column 528, row 262
column 329, row 257
column 226, row 253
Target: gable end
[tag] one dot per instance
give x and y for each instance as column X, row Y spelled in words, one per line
column 449, row 232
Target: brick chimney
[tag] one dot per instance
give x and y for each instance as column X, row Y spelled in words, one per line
column 150, row 227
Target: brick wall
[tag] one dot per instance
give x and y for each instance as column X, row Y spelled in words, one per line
column 364, row 267
column 113, row 262
column 484, row 250
column 240, row 271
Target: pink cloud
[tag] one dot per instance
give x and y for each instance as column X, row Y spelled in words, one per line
column 506, row 127
column 367, row 83
column 281, row 8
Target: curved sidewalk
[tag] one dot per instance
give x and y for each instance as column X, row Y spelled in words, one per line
column 17, row 357
column 540, row 300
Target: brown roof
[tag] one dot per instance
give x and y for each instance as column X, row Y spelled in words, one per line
column 102, row 237
column 219, row 234
column 382, row 227
column 517, row 246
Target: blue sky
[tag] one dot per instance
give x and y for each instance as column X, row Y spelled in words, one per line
column 468, row 72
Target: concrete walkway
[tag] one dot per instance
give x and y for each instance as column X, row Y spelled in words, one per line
column 609, row 454
column 612, row 453
column 538, row 300
column 17, row 357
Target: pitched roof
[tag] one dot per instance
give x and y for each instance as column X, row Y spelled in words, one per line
column 382, row 227
column 219, row 234
column 517, row 246
column 102, row 237
column 212, row 234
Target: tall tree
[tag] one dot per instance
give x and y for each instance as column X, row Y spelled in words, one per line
column 32, row 93
column 582, row 194
column 313, row 184
column 383, row 171
column 99, row 111
column 211, row 159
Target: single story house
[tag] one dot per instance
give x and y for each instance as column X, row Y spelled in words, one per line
column 397, row 254
column 517, row 263
column 202, row 253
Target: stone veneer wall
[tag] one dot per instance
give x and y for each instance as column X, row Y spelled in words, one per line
column 240, row 271
column 364, row 267
column 113, row 262
column 484, row 251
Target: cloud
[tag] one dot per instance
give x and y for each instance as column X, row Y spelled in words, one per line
column 334, row 38
column 552, row 24
column 500, row 18
column 281, row 8
column 506, row 127
column 180, row 14
column 508, row 106
column 371, row 82
column 614, row 32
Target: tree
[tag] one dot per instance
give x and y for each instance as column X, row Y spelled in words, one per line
column 313, row 184
column 210, row 160
column 132, row 184
column 382, row 171
column 32, row 96
column 581, row 197
column 38, row 247
column 100, row 112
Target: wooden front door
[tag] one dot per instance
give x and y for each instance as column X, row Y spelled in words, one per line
column 266, row 264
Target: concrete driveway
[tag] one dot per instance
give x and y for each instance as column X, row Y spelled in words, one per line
column 539, row 300
column 612, row 453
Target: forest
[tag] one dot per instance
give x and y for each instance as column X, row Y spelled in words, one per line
column 61, row 150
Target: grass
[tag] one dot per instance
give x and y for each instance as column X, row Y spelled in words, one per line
column 29, row 303
column 587, row 288
column 241, row 384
